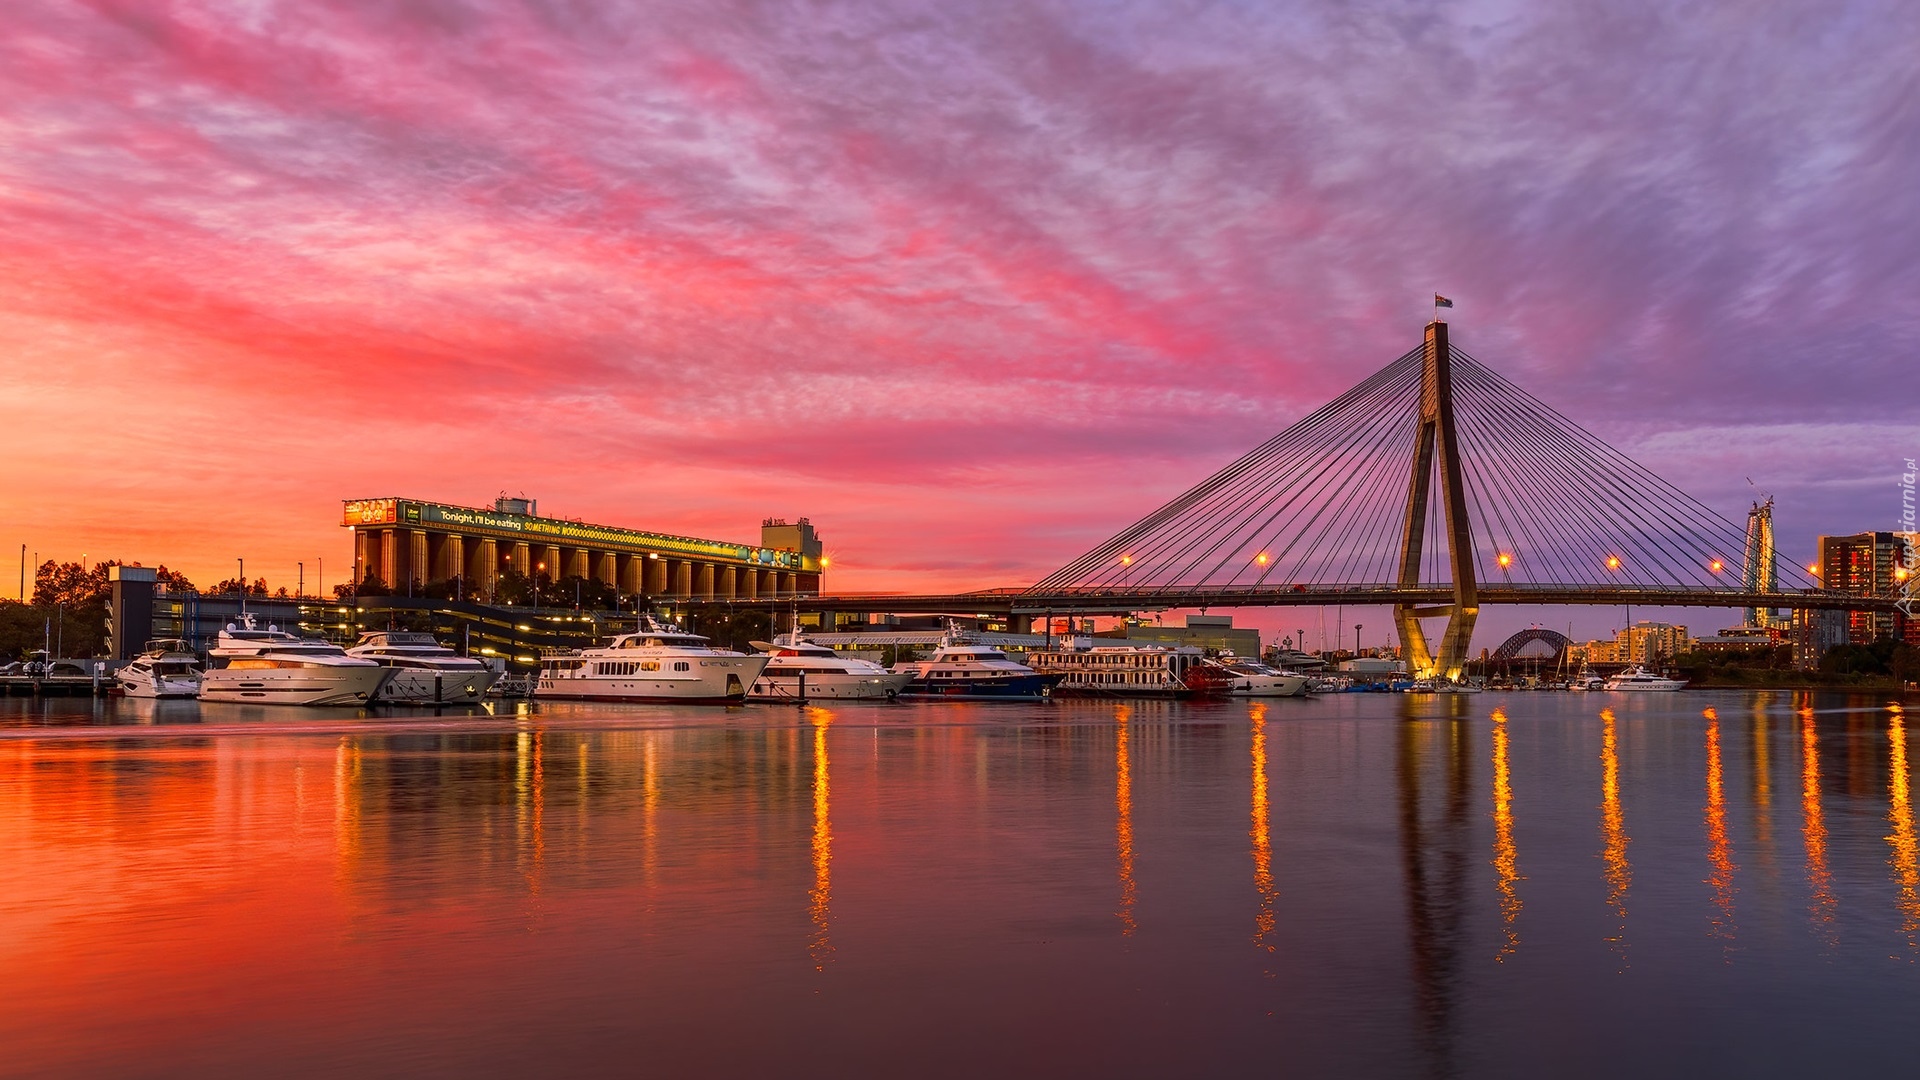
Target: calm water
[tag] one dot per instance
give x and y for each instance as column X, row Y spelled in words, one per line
column 1699, row 883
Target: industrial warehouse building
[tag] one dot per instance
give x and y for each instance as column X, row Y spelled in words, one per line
column 403, row 541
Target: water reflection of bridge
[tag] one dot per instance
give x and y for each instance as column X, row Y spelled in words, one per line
column 543, row 791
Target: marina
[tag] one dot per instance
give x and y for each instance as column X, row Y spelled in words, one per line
column 1131, row 541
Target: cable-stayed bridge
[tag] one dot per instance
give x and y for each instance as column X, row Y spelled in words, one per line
column 1434, row 487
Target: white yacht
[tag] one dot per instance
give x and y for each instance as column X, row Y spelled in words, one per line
column 1254, row 678
column 959, row 670
column 657, row 662
column 799, row 669
column 1639, row 678
column 167, row 668
column 425, row 672
column 273, row 667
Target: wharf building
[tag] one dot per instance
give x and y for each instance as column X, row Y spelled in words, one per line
column 406, row 542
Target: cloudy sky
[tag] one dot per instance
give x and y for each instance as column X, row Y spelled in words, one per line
column 972, row 285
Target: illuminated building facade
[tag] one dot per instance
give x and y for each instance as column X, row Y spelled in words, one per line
column 412, row 541
column 1870, row 564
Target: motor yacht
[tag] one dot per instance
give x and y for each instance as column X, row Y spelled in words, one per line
column 958, row 670
column 167, row 668
column 1639, row 678
column 272, row 667
column 1255, row 678
column 425, row 672
column 798, row 669
column 657, row 662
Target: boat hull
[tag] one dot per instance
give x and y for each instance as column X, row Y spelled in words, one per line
column 1007, row 688
column 295, row 686
column 776, row 686
column 422, row 686
column 1283, row 686
column 708, row 681
column 153, row 689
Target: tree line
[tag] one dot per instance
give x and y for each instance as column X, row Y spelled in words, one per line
column 67, row 610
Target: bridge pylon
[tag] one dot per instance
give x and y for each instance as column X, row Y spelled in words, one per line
column 1437, row 444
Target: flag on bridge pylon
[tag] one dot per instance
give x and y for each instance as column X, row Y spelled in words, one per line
column 1441, row 301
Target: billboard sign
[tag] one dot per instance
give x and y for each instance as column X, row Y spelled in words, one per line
column 368, row 512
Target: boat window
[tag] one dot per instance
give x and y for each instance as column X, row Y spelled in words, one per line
column 682, row 665
column 649, row 665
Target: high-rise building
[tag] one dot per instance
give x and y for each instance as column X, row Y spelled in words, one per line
column 1650, row 643
column 1759, row 572
column 1870, row 564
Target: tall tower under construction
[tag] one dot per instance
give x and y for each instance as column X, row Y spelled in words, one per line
column 1758, row 575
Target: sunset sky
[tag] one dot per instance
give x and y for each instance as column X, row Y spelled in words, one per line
column 971, row 285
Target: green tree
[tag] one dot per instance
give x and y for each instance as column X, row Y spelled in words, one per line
column 70, row 585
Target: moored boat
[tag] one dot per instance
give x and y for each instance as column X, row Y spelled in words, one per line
column 798, row 669
column 1639, row 678
column 1127, row 671
column 1255, row 678
column 425, row 672
column 958, row 670
column 273, row 667
column 167, row 668
column 657, row 662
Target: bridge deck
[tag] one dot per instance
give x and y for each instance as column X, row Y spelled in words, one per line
column 1122, row 601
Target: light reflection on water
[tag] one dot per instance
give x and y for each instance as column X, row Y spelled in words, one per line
column 1719, row 846
column 933, row 888
column 1506, row 860
column 1613, row 832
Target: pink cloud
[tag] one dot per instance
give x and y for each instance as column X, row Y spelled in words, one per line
column 972, row 289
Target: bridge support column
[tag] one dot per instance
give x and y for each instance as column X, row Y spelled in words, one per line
column 1437, row 445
